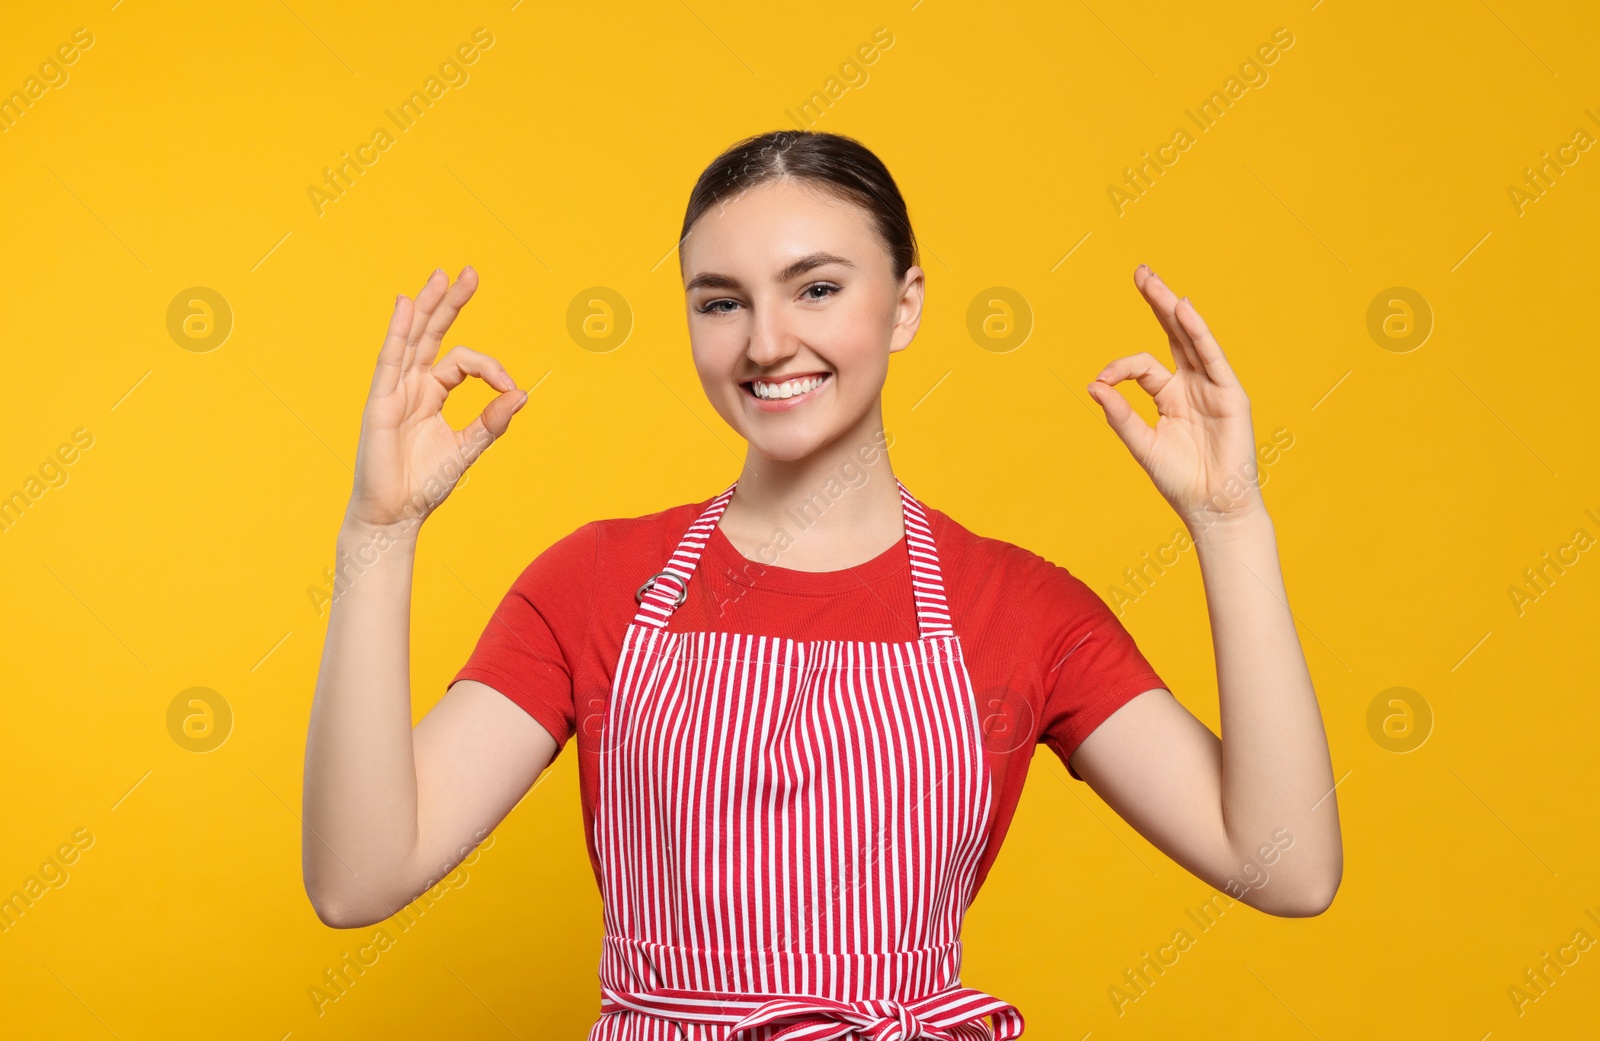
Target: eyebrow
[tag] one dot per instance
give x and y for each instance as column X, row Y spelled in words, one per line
column 713, row 280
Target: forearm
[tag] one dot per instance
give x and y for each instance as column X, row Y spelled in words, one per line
column 360, row 801
column 1280, row 819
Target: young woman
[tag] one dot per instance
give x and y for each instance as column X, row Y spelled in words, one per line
column 804, row 707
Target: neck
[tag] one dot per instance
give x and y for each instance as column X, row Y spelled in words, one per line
column 835, row 508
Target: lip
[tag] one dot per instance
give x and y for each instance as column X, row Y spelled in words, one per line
column 785, row 404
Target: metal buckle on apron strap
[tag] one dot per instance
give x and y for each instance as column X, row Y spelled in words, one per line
column 683, row 592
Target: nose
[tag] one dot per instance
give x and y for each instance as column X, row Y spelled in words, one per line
column 772, row 341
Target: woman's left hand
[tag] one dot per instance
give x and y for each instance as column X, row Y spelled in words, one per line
column 1201, row 452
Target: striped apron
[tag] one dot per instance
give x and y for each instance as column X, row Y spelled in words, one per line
column 789, row 831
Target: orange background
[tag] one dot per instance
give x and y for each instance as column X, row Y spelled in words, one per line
column 1433, row 459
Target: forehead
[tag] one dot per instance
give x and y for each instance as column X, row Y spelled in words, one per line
column 774, row 222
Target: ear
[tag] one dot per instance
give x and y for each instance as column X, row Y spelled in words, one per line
column 908, row 309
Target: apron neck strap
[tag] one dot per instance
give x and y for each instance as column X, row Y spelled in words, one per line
column 664, row 591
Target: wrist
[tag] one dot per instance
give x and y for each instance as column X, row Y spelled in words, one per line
column 376, row 557
column 1217, row 530
column 354, row 532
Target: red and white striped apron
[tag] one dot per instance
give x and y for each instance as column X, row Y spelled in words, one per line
column 789, row 831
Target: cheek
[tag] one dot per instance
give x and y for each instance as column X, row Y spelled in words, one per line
column 713, row 350
column 858, row 340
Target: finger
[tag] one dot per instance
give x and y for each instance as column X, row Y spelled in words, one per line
column 460, row 362
column 391, row 356
column 1212, row 361
column 433, row 291
column 439, row 322
column 1142, row 368
column 475, row 438
column 1164, row 303
column 1132, row 430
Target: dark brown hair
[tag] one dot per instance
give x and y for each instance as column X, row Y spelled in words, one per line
column 839, row 165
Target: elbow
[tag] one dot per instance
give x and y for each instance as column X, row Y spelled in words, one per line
column 335, row 917
column 1303, row 895
column 337, row 911
column 343, row 916
column 341, row 898
column 1311, row 901
column 330, row 913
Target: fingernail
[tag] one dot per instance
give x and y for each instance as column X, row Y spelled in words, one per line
column 521, row 403
column 440, row 271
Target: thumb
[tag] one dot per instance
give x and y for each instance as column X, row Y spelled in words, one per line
column 1123, row 420
column 493, row 421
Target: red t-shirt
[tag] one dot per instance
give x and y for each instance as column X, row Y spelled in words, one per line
column 1048, row 658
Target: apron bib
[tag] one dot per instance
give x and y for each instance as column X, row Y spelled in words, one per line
column 789, row 830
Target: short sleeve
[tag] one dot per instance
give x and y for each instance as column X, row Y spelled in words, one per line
column 521, row 652
column 1093, row 666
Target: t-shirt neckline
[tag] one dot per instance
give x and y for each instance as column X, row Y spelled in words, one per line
column 725, row 556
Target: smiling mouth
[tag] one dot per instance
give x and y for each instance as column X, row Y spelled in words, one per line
column 766, row 390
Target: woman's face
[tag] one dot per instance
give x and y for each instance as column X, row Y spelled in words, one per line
column 785, row 281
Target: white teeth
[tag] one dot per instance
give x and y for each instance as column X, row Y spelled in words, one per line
column 787, row 389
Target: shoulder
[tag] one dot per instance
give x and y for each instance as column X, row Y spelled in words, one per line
column 592, row 571
column 1011, row 572
column 646, row 531
column 1014, row 600
column 630, row 549
column 611, row 547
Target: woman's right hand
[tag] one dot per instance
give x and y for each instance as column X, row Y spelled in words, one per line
column 409, row 459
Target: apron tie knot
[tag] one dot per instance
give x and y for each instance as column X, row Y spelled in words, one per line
column 876, row 1018
column 883, row 1020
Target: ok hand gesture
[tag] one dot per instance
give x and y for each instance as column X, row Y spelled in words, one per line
column 409, row 458
column 1201, row 452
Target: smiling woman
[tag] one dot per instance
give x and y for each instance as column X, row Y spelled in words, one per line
column 795, row 779
column 791, row 329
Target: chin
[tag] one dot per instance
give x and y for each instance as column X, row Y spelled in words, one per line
column 787, row 437
column 788, row 448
